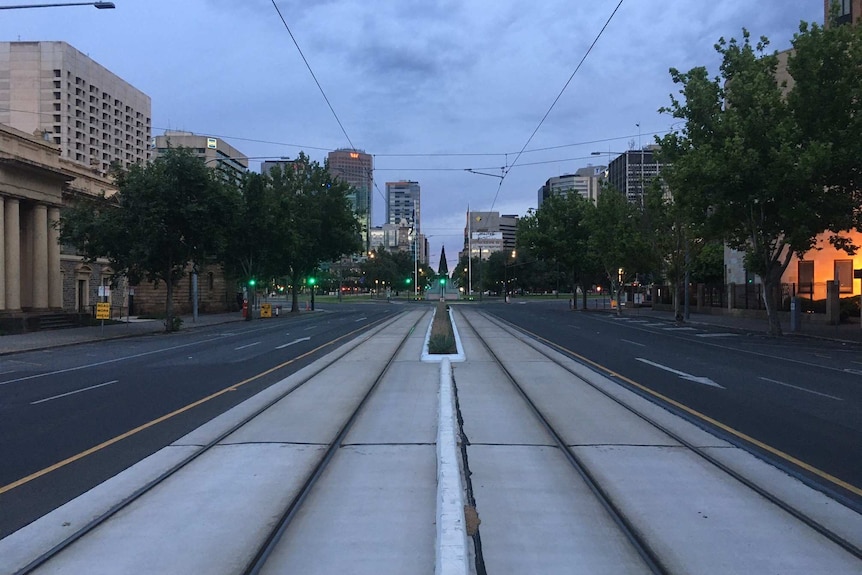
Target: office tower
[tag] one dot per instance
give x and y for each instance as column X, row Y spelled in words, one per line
column 215, row 152
column 357, row 169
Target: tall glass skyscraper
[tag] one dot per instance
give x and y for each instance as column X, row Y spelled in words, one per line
column 357, row 169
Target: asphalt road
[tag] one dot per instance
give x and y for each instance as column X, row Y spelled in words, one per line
column 794, row 402
column 125, row 399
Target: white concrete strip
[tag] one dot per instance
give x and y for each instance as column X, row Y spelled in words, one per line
column 682, row 374
column 679, row 329
column 775, row 381
column 575, row 326
column 74, row 392
column 639, row 321
column 360, row 319
column 658, row 324
column 432, row 357
column 722, row 334
column 452, row 551
column 284, row 345
column 853, row 371
column 633, row 342
column 246, row 346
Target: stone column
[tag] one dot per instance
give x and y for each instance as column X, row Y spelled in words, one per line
column 12, row 235
column 55, row 274
column 40, row 256
column 2, row 254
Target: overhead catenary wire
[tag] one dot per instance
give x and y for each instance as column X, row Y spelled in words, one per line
column 554, row 103
column 307, row 65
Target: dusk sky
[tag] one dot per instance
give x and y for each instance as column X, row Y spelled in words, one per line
column 430, row 89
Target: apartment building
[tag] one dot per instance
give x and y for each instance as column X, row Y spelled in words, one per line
column 53, row 91
column 632, row 171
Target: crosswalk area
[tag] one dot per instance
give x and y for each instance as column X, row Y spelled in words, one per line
column 673, row 327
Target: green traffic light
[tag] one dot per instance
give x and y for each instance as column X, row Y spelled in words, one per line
column 442, row 281
column 407, row 281
column 312, row 281
column 251, row 282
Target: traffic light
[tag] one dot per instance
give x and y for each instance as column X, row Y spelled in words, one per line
column 251, row 282
column 312, row 281
column 442, row 281
column 408, row 281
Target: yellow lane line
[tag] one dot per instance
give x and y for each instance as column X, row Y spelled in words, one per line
column 774, row 451
column 131, row 432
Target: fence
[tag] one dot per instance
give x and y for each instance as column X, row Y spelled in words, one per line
column 747, row 296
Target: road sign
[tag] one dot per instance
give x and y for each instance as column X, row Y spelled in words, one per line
column 266, row 310
column 103, row 310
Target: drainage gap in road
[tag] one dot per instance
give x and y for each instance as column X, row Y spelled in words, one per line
column 471, row 515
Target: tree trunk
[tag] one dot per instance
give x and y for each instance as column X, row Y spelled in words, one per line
column 770, row 299
column 294, row 297
column 169, row 304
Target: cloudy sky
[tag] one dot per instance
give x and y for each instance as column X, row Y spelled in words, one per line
column 430, row 88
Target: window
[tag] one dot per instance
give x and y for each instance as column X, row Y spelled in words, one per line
column 806, row 277
column 844, row 275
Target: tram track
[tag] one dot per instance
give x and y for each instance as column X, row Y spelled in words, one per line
column 651, row 549
column 56, row 552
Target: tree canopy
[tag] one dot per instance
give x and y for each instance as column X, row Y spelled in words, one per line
column 166, row 216
column 763, row 161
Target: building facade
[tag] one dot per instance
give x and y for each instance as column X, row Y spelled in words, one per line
column 586, row 182
column 849, row 11
column 357, row 169
column 488, row 232
column 403, row 205
column 631, row 173
column 215, row 152
column 53, row 91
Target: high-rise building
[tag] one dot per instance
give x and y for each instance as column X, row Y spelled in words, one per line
column 67, row 99
column 403, row 204
column 215, row 152
column 357, row 169
column 586, row 182
column 632, row 172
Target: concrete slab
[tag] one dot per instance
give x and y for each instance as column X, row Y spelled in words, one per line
column 539, row 517
column 28, row 543
column 372, row 513
column 701, row 522
column 492, row 409
column 314, row 412
column 208, row 518
column 581, row 414
column 403, row 409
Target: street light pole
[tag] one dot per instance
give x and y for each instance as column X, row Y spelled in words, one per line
column 97, row 5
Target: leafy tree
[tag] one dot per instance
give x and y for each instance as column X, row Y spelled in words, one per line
column 252, row 232
column 313, row 222
column 616, row 240
column 560, row 231
column 166, row 215
column 764, row 161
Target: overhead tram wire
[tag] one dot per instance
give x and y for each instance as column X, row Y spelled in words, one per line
column 554, row 103
column 307, row 65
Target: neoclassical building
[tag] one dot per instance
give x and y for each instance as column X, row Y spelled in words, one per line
column 34, row 276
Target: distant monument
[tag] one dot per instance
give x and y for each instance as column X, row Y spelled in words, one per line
column 444, row 288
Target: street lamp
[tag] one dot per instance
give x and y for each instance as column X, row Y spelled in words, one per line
column 506, row 276
column 98, row 5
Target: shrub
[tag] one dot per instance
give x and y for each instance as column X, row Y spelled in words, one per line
column 442, row 339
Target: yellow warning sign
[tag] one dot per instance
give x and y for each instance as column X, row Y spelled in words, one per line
column 103, row 310
column 266, row 310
